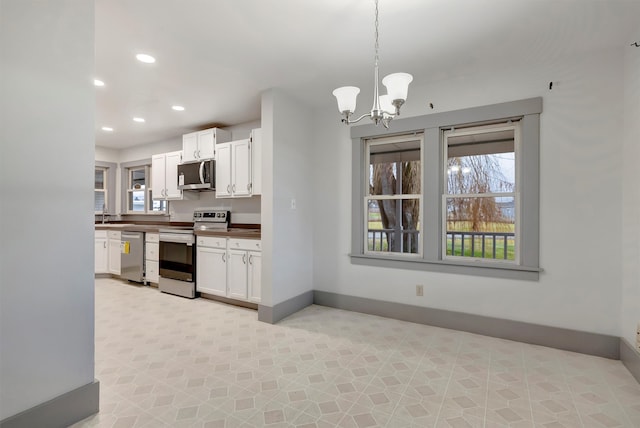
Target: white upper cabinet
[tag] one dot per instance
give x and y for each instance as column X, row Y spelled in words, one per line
column 256, row 161
column 201, row 145
column 164, row 177
column 223, row 171
column 239, row 167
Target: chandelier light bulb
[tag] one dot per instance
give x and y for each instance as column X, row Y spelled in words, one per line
column 346, row 97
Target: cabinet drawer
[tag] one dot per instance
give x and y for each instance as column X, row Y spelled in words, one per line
column 151, row 251
column 211, row 241
column 151, row 271
column 114, row 234
column 152, row 237
column 101, row 234
column 245, row 244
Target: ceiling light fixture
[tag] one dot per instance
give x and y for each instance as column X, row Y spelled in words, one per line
column 178, row 108
column 97, row 82
column 107, row 129
column 138, row 119
column 147, row 59
column 385, row 107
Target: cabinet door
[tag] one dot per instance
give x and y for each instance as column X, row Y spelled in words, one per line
column 241, row 168
column 211, row 271
column 101, row 255
column 157, row 176
column 151, row 271
column 171, row 175
column 114, row 256
column 237, row 280
column 206, row 144
column 256, row 161
column 223, row 170
column 190, row 147
column 254, row 276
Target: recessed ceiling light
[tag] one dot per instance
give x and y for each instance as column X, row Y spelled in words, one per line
column 138, row 119
column 178, row 108
column 107, row 129
column 148, row 59
column 97, row 82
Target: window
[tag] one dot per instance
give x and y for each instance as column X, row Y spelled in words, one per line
column 138, row 197
column 393, row 202
column 480, row 194
column 450, row 192
column 100, row 191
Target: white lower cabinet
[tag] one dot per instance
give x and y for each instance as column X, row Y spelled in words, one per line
column 254, row 276
column 101, row 252
column 229, row 267
column 151, row 251
column 237, row 279
column 115, row 249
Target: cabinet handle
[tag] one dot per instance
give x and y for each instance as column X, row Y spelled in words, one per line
column 228, row 188
column 248, row 187
column 198, row 154
column 105, row 244
column 224, row 259
column 251, row 259
column 233, row 188
column 244, row 259
column 195, row 154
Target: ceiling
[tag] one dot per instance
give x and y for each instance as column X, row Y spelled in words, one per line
column 215, row 57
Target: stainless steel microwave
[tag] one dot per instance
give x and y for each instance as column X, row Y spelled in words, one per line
column 197, row 175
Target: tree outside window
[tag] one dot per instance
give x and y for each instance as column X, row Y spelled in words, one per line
column 394, row 196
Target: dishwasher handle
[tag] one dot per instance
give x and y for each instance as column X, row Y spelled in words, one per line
column 131, row 235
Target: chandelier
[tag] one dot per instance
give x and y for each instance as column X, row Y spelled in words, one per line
column 385, row 107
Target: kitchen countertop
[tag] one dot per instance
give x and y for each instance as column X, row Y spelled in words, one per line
column 233, row 232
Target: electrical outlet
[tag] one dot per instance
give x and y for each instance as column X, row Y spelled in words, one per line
column 293, row 203
column 419, row 290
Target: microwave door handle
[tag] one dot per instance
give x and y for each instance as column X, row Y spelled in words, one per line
column 202, row 172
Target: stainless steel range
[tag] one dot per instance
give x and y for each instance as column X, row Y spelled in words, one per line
column 177, row 261
column 178, row 251
column 211, row 219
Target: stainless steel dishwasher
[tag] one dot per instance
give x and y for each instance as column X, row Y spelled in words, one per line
column 132, row 256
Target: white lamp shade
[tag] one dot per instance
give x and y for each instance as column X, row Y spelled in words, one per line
column 385, row 104
column 346, row 97
column 397, row 85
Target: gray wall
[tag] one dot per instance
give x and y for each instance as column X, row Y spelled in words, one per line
column 46, row 221
column 630, row 316
column 287, row 238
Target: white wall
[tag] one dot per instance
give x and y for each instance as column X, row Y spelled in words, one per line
column 46, row 256
column 287, row 233
column 630, row 316
column 581, row 160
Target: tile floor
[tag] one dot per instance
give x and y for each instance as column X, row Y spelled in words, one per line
column 165, row 361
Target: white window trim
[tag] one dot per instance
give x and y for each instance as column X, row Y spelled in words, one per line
column 389, row 140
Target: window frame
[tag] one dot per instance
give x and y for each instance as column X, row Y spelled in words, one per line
column 432, row 126
column 447, row 133
column 398, row 197
column 109, row 169
column 126, row 169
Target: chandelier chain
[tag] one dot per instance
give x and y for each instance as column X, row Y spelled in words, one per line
column 376, row 34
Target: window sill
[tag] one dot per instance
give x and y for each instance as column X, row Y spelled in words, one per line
column 477, row 268
column 146, row 214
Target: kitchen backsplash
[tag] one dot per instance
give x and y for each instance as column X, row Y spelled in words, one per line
column 243, row 210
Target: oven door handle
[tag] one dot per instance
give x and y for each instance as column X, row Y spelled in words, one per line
column 177, row 240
